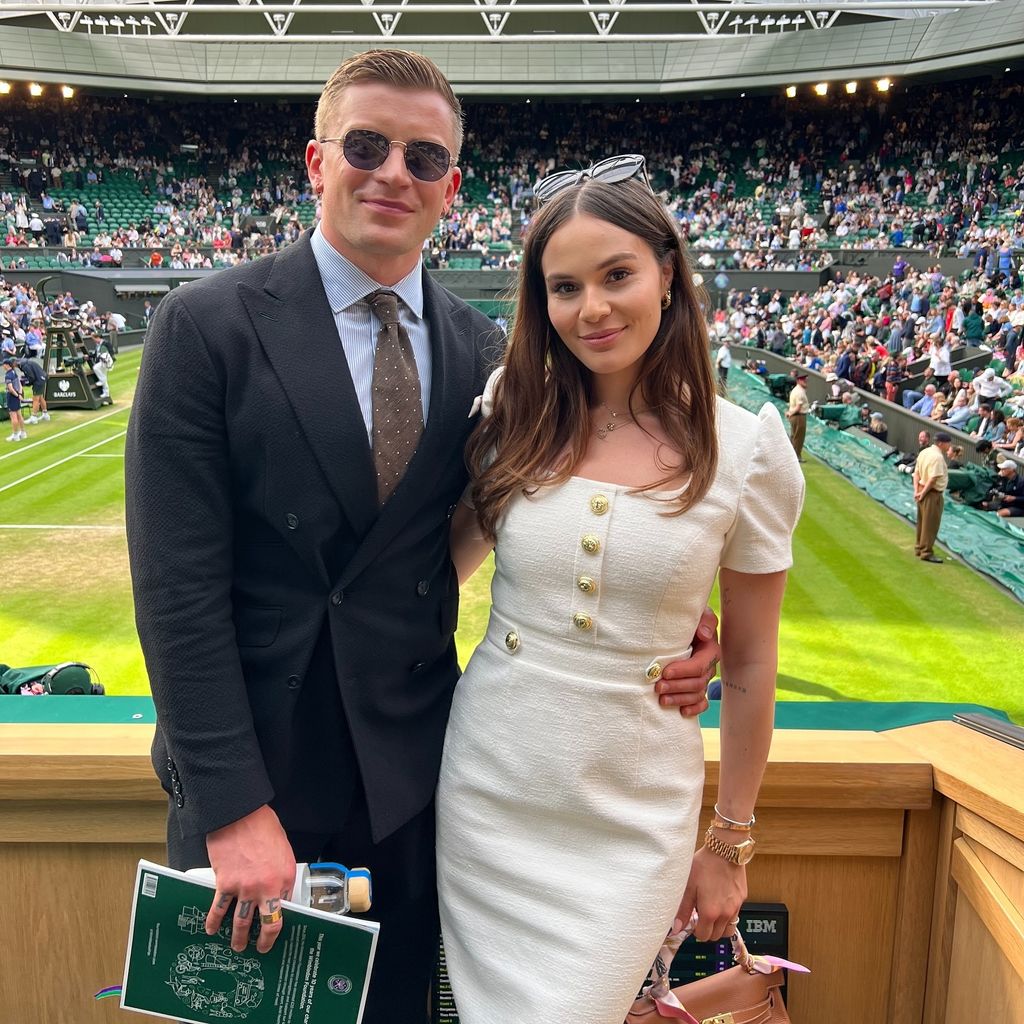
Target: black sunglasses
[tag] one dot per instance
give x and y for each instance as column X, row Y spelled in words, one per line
column 610, row 170
column 366, row 150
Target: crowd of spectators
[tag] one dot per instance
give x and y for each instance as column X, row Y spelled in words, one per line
column 868, row 332
column 932, row 167
column 25, row 315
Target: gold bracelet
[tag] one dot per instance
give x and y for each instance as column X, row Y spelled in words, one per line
column 728, row 826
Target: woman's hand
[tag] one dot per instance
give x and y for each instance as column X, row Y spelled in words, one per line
column 716, row 889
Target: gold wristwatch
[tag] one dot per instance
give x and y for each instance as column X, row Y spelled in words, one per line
column 740, row 853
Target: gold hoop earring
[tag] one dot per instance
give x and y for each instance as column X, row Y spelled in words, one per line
column 666, row 299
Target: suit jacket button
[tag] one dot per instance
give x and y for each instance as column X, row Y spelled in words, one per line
column 423, row 588
column 292, row 520
column 419, row 666
column 294, row 682
column 337, row 597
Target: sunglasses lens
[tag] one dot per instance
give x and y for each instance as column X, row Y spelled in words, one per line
column 365, row 150
column 554, row 183
column 618, row 168
column 427, row 160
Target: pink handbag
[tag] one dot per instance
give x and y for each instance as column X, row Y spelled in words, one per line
column 745, row 994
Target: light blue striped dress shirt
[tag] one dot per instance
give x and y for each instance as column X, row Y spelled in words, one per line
column 347, row 287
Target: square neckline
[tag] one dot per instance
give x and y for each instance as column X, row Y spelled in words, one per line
column 674, row 492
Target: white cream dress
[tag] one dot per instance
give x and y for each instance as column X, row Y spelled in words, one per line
column 568, row 797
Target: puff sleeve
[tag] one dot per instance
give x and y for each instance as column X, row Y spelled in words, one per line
column 771, row 497
column 484, row 405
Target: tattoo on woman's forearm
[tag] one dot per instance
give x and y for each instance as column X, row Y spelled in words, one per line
column 734, row 686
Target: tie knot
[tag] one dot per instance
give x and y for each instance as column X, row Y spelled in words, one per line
column 384, row 304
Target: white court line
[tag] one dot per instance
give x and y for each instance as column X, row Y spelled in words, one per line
column 56, row 526
column 101, row 455
column 88, row 423
column 60, row 462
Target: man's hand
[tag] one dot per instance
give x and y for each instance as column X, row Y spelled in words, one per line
column 683, row 684
column 254, row 866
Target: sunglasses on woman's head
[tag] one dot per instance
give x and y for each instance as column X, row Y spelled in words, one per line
column 609, row 170
column 366, row 151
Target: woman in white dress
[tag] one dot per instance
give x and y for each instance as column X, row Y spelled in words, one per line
column 613, row 484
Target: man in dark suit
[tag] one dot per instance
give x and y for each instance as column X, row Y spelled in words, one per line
column 295, row 597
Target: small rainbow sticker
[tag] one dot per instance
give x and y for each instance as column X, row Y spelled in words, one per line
column 110, row 990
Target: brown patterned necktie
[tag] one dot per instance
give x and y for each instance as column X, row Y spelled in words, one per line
column 397, row 405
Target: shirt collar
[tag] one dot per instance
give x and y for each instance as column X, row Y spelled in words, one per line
column 345, row 284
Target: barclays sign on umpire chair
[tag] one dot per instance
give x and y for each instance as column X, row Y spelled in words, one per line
column 71, row 381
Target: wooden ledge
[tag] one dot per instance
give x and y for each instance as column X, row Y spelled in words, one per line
column 975, row 771
column 850, row 769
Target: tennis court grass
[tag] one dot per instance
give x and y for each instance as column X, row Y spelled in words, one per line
column 863, row 619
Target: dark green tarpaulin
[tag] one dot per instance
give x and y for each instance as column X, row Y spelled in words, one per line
column 992, row 545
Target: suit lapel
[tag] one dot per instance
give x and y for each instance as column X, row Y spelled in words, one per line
column 296, row 330
column 451, row 395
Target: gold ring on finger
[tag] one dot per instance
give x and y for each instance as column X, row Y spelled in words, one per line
column 272, row 918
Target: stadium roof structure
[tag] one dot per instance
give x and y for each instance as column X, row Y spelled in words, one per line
column 506, row 47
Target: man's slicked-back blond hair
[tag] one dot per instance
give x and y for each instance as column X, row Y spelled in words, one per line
column 401, row 69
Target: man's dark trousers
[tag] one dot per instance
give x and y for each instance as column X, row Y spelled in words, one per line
column 402, row 867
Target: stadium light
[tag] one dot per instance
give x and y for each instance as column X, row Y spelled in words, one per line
column 883, row 85
column 35, row 89
column 5, row 88
column 790, row 91
column 851, row 87
column 821, row 88
column 67, row 92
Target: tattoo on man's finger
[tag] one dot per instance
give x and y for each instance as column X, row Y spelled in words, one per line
column 285, row 893
column 224, row 900
column 244, row 909
column 272, row 905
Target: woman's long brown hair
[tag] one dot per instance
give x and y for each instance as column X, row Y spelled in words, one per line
column 541, row 425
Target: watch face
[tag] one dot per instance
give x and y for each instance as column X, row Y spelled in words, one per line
column 745, row 853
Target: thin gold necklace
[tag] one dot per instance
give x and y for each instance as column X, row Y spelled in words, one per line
column 614, row 423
